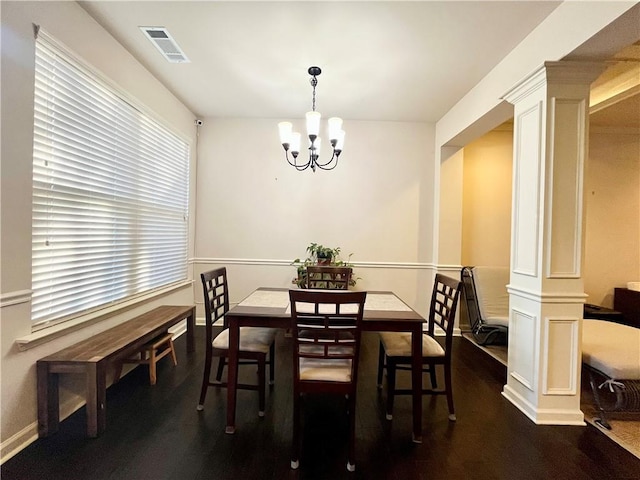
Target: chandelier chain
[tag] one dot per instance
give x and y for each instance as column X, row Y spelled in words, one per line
column 314, row 82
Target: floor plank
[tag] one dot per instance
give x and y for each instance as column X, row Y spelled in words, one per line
column 155, row 432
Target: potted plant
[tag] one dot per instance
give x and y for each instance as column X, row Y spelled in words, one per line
column 319, row 255
column 323, row 255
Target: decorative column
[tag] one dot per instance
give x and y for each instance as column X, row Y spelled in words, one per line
column 546, row 291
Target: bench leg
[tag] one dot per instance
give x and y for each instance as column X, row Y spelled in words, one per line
column 96, row 398
column 48, row 402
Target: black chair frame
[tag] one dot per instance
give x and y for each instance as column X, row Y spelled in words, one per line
column 444, row 300
column 483, row 332
column 216, row 303
column 326, row 337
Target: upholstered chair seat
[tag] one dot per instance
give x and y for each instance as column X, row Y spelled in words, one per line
column 252, row 339
column 398, row 344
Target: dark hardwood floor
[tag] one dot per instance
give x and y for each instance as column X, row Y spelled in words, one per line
column 156, row 432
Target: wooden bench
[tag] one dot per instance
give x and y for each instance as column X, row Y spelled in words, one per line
column 92, row 357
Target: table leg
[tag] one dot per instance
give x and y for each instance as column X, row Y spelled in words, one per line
column 96, row 387
column 416, row 383
column 232, row 375
column 191, row 326
column 48, row 402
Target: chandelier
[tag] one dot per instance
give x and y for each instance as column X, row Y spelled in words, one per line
column 291, row 140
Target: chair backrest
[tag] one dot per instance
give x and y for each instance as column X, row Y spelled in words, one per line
column 491, row 293
column 444, row 301
column 216, row 298
column 332, row 278
column 326, row 325
column 470, row 298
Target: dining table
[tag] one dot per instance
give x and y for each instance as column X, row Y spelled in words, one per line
column 384, row 311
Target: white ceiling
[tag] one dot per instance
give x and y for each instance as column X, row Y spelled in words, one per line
column 394, row 61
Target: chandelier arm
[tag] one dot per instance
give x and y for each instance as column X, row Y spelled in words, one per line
column 328, row 161
column 324, row 167
column 300, row 167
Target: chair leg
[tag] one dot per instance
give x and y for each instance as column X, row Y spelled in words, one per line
column 449, row 388
column 205, row 381
column 432, row 376
column 173, row 352
column 391, row 386
column 381, row 355
column 261, row 386
column 222, row 361
column 351, row 461
column 295, row 445
column 272, row 363
column 152, row 366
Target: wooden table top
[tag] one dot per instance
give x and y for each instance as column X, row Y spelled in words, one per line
column 274, row 303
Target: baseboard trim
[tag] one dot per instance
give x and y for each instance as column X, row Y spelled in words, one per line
column 25, row 437
column 18, row 442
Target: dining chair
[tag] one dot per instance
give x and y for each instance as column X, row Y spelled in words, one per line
column 326, row 329
column 255, row 342
column 395, row 347
column 332, row 278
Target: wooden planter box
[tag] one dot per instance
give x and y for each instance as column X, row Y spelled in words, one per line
column 322, row 280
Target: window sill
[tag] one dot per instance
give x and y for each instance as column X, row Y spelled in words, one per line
column 52, row 332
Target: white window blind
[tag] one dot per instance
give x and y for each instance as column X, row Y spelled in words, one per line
column 110, row 193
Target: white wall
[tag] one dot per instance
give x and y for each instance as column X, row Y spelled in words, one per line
column 72, row 26
column 255, row 213
column 451, row 197
column 612, row 228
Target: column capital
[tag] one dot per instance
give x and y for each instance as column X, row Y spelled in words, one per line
column 567, row 72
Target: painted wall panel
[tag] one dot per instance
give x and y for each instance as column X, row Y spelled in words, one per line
column 522, row 361
column 565, row 252
column 559, row 366
column 526, row 194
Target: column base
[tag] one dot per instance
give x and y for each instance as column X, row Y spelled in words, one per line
column 543, row 416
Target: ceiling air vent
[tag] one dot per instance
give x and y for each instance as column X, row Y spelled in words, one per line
column 163, row 41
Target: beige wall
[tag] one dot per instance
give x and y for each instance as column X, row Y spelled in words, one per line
column 612, row 229
column 486, row 213
column 612, row 214
column 71, row 25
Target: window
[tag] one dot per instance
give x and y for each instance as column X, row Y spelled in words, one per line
column 110, row 193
